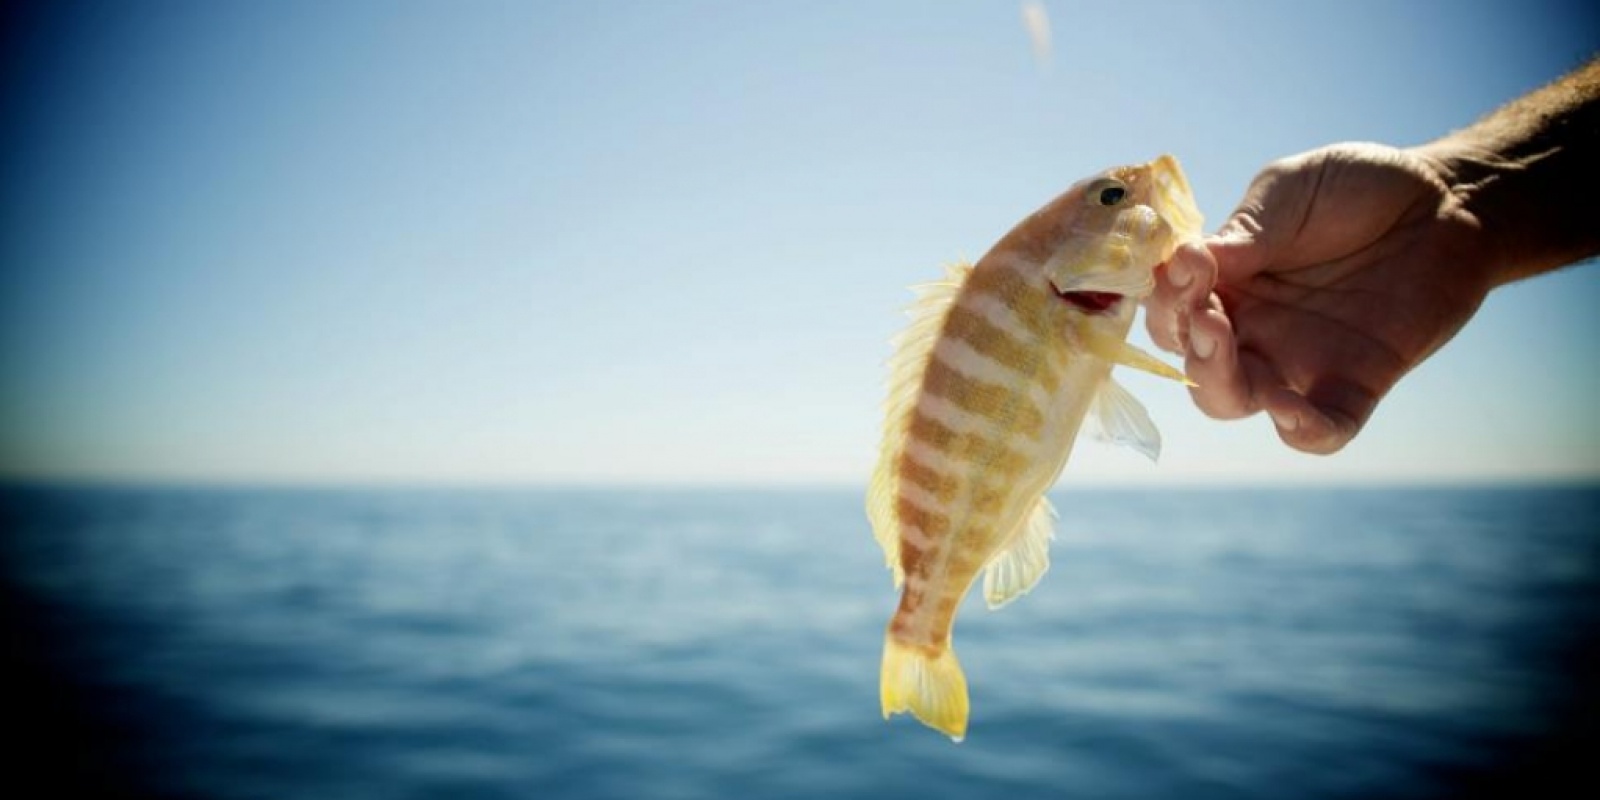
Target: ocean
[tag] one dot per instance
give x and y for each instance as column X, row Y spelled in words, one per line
column 1339, row 643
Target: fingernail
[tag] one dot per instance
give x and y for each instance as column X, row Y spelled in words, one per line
column 1285, row 422
column 1202, row 343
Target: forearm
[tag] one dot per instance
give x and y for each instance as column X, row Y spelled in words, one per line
column 1529, row 174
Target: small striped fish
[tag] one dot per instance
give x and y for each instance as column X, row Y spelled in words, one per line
column 989, row 386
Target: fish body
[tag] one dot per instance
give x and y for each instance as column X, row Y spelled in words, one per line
column 990, row 385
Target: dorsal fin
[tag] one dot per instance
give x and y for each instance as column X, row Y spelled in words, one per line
column 912, row 349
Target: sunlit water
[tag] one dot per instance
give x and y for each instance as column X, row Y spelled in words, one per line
column 627, row 644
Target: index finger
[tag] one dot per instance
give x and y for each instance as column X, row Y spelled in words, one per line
column 1182, row 287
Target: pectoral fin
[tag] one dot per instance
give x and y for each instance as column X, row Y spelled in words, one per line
column 1123, row 420
column 1118, row 351
column 1013, row 572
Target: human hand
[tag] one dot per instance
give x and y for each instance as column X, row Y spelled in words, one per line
column 1341, row 269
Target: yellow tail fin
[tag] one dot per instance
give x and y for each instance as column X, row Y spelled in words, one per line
column 931, row 687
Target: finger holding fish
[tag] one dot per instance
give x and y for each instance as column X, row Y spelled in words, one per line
column 1214, row 362
column 1182, row 287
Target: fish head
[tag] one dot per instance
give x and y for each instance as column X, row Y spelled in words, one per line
column 1113, row 229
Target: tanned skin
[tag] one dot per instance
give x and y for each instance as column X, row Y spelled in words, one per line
column 1346, row 266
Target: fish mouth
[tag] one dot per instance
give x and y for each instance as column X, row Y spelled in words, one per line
column 1091, row 302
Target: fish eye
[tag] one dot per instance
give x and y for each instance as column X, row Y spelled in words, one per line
column 1106, row 192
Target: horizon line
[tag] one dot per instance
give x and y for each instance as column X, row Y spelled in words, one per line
column 173, row 483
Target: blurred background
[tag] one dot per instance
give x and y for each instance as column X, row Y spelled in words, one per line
column 418, row 398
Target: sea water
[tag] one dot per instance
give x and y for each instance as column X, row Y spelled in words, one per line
column 705, row 644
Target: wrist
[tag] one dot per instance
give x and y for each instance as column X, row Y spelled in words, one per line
column 1525, row 197
column 1469, row 220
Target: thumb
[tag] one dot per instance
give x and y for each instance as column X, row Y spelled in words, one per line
column 1275, row 205
column 1238, row 248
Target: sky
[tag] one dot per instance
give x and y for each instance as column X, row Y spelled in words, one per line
column 668, row 242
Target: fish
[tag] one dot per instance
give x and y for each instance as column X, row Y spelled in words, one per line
column 989, row 386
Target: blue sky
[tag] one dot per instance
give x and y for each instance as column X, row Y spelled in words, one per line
column 668, row 242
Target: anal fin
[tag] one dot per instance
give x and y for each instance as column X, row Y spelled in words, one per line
column 1015, row 570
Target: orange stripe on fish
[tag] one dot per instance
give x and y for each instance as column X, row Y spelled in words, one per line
column 985, row 399
column 989, row 499
column 993, row 341
column 1027, row 299
column 942, row 486
column 933, row 433
column 932, row 523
